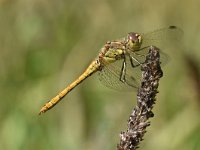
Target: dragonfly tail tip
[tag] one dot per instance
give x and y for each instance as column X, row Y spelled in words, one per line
column 42, row 110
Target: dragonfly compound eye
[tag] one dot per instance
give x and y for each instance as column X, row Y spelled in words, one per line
column 134, row 37
column 134, row 41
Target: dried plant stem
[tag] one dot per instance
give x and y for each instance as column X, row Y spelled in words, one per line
column 138, row 120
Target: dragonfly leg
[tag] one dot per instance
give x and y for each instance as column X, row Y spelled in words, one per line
column 134, row 59
column 123, row 71
column 141, row 55
column 123, row 74
column 131, row 60
column 136, row 52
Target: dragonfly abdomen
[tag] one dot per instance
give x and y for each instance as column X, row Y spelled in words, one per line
column 93, row 67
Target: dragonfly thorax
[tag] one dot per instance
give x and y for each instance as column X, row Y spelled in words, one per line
column 113, row 54
column 134, row 41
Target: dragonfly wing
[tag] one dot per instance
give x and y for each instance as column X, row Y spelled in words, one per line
column 141, row 54
column 162, row 38
column 110, row 77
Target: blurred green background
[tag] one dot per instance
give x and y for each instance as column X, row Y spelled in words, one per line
column 45, row 45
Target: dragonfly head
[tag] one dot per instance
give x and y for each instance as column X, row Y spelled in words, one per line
column 134, row 41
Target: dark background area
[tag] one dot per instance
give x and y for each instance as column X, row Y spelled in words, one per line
column 45, row 45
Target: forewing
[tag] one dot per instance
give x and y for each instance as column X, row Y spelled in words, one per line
column 162, row 38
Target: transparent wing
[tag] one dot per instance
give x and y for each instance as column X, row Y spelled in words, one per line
column 141, row 54
column 162, row 38
column 110, row 76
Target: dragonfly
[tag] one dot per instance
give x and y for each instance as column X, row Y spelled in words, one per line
column 118, row 61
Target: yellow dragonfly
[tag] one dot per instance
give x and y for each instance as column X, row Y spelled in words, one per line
column 119, row 60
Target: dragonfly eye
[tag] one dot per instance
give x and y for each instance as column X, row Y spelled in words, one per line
column 134, row 40
column 134, row 37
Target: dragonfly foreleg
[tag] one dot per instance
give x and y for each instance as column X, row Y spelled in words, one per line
column 134, row 59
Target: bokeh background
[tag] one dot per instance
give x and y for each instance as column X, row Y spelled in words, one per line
column 45, row 45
